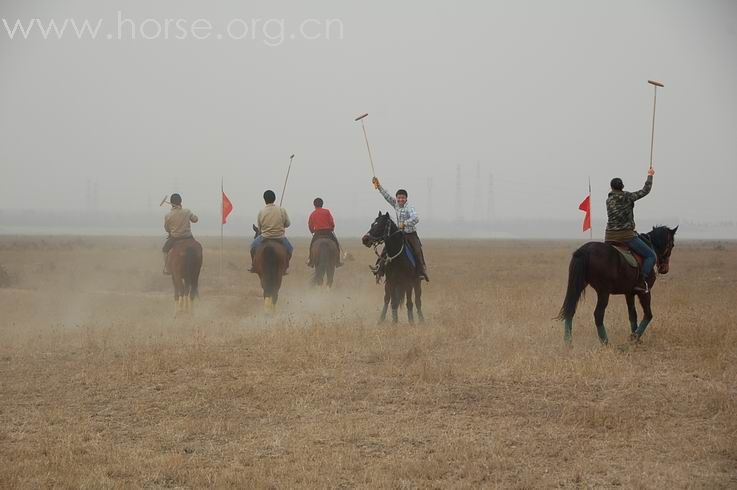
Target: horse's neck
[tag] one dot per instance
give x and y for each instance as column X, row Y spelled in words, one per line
column 651, row 241
column 394, row 242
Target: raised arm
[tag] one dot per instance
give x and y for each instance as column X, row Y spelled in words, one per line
column 193, row 217
column 646, row 189
column 387, row 196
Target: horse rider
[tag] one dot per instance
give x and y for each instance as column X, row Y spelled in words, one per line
column 620, row 227
column 322, row 225
column 177, row 226
column 407, row 220
column 272, row 223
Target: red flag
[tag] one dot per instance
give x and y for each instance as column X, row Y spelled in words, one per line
column 585, row 206
column 227, row 208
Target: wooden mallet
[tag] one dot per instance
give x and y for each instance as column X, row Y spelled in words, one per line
column 655, row 98
column 281, row 199
column 371, row 160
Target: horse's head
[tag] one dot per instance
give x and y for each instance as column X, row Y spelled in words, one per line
column 380, row 230
column 256, row 231
column 663, row 241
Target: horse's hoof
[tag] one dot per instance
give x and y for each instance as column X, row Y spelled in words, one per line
column 635, row 339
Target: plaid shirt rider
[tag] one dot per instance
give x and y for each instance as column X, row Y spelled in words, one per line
column 405, row 214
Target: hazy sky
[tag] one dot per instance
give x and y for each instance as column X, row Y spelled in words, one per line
column 543, row 94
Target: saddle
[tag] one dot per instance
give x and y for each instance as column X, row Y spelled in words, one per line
column 629, row 255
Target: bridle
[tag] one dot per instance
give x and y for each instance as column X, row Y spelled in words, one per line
column 661, row 259
column 386, row 235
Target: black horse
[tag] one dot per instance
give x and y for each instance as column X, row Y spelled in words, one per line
column 605, row 269
column 401, row 274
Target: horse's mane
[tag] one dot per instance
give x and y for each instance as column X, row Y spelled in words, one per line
column 391, row 220
column 659, row 237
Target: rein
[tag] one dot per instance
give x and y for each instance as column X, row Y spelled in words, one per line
column 382, row 239
column 659, row 257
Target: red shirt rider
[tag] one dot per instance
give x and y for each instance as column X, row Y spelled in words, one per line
column 321, row 219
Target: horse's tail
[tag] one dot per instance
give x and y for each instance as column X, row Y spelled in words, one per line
column 320, row 263
column 325, row 257
column 270, row 269
column 192, row 271
column 576, row 285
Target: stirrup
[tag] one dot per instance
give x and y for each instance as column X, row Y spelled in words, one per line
column 639, row 288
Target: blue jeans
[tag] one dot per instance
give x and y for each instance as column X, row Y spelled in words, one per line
column 641, row 248
column 283, row 240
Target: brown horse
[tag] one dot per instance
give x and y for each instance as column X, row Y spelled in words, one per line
column 401, row 273
column 602, row 267
column 185, row 261
column 324, row 254
column 270, row 263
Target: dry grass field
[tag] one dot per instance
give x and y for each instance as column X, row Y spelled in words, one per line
column 101, row 388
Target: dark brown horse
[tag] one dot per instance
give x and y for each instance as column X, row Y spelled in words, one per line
column 324, row 254
column 185, row 261
column 270, row 263
column 602, row 267
column 401, row 274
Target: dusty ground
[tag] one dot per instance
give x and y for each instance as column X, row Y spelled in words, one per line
column 101, row 388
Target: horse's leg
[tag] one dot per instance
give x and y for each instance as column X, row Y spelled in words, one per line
column 418, row 300
column 268, row 303
column 319, row 272
column 176, row 288
column 188, row 296
column 601, row 304
column 410, row 313
column 382, row 317
column 632, row 311
column 396, row 294
column 331, row 274
column 175, row 283
column 315, row 275
column 647, row 315
column 185, row 294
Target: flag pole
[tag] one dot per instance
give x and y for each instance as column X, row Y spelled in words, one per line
column 591, row 228
column 222, row 203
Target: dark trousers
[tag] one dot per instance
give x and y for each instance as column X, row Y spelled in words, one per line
column 643, row 250
column 416, row 244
